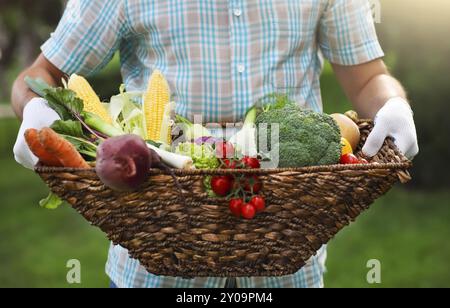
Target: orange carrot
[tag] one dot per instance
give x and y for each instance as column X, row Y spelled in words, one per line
column 36, row 147
column 61, row 149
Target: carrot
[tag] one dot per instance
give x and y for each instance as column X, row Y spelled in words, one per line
column 62, row 149
column 36, row 147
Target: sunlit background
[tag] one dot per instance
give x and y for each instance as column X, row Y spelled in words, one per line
column 407, row 230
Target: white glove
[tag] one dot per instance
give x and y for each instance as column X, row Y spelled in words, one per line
column 394, row 120
column 36, row 114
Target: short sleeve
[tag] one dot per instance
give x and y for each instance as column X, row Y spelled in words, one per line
column 87, row 36
column 347, row 34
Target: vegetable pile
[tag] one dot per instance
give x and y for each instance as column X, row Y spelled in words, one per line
column 113, row 137
column 136, row 132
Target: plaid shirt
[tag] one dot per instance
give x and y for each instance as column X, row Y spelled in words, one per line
column 219, row 57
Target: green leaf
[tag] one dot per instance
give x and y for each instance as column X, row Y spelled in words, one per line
column 183, row 120
column 127, row 115
column 64, row 102
column 82, row 146
column 274, row 101
column 52, row 202
column 95, row 122
column 69, row 127
column 38, row 86
column 281, row 101
column 153, row 143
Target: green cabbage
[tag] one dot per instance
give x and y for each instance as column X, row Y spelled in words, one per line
column 203, row 155
column 127, row 114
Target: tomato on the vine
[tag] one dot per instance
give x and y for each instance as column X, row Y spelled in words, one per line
column 248, row 211
column 251, row 184
column 251, row 162
column 221, row 185
column 259, row 203
column 236, row 206
column 349, row 159
column 230, row 163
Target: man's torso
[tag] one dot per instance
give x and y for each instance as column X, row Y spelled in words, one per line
column 221, row 57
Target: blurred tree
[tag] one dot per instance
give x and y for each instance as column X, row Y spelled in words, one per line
column 24, row 25
column 416, row 42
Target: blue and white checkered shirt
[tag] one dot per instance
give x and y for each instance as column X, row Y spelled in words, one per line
column 219, row 57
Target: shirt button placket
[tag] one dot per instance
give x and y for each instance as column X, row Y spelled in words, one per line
column 237, row 12
column 238, row 64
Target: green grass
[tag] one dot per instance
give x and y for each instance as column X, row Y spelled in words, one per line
column 35, row 243
column 406, row 230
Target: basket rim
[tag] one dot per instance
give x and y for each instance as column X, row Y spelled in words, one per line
column 403, row 165
column 311, row 169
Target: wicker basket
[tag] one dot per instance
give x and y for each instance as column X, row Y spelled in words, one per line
column 306, row 208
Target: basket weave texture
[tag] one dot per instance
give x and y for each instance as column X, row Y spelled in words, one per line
column 200, row 238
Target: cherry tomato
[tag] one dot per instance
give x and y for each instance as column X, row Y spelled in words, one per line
column 221, row 185
column 230, row 163
column 251, row 162
column 236, row 206
column 259, row 203
column 251, row 184
column 224, row 149
column 248, row 211
column 349, row 159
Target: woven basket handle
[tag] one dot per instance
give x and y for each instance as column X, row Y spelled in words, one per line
column 404, row 176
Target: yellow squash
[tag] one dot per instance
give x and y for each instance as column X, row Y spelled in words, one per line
column 346, row 146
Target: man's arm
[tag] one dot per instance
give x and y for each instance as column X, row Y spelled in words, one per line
column 21, row 93
column 368, row 86
column 377, row 95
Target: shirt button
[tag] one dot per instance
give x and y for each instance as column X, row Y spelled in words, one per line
column 241, row 68
column 237, row 12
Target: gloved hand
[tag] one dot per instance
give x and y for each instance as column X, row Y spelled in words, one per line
column 36, row 114
column 394, row 119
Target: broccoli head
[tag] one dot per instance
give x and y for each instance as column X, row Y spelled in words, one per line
column 307, row 138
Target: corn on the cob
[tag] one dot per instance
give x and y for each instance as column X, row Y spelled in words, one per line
column 91, row 101
column 156, row 99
